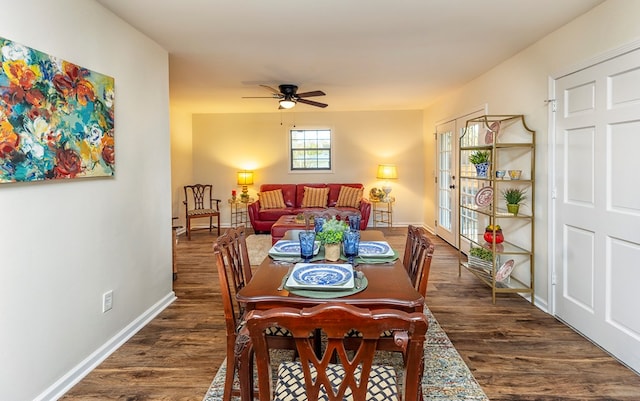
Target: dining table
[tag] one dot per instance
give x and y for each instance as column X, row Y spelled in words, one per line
column 386, row 286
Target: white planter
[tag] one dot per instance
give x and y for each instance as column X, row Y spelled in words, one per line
column 476, row 262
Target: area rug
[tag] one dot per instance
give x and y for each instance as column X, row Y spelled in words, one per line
column 446, row 376
column 258, row 247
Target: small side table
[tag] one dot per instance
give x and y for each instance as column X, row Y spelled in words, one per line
column 382, row 212
column 238, row 212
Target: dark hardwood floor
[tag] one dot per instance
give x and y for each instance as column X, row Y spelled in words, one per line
column 515, row 351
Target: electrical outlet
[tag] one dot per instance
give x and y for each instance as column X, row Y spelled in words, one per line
column 107, row 301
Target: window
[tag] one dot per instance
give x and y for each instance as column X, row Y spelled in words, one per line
column 310, row 149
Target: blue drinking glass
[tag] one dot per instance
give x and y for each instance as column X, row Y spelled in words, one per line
column 307, row 243
column 318, row 222
column 350, row 243
column 354, row 221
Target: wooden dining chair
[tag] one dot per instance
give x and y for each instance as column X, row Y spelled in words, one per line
column 234, row 272
column 417, row 257
column 234, row 245
column 413, row 232
column 338, row 374
column 417, row 261
column 199, row 203
column 228, row 261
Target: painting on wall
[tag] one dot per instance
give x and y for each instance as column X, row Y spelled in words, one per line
column 56, row 118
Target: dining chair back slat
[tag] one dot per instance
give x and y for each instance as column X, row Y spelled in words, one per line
column 234, row 244
column 417, row 257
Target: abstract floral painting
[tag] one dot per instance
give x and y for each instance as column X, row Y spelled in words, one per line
column 56, row 118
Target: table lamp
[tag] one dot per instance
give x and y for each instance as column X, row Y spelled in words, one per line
column 387, row 172
column 245, row 178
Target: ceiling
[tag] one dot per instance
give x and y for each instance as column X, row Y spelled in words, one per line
column 364, row 54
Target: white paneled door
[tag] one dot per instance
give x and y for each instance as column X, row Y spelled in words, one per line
column 597, row 204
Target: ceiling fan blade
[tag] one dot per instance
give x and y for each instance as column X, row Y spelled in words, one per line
column 311, row 94
column 260, row 97
column 272, row 90
column 312, row 103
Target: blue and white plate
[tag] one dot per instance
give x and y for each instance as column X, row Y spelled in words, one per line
column 319, row 276
column 374, row 248
column 290, row 248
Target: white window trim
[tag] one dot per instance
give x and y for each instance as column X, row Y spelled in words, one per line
column 311, row 128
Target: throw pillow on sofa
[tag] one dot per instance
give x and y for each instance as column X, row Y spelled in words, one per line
column 271, row 199
column 315, row 197
column 349, row 197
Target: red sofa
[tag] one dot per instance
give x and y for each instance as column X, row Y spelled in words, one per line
column 263, row 219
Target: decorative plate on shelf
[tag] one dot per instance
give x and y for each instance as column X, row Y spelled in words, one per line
column 505, row 270
column 290, row 248
column 374, row 248
column 492, row 132
column 484, row 196
column 321, row 276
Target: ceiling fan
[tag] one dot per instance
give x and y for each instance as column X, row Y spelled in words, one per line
column 288, row 96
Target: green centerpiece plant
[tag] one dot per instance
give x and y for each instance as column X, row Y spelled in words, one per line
column 331, row 237
column 332, row 231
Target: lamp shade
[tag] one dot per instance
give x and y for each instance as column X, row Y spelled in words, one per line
column 387, row 172
column 245, row 177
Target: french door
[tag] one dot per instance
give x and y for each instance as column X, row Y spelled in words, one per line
column 446, row 226
column 448, row 136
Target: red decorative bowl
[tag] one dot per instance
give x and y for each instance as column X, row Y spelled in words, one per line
column 489, row 236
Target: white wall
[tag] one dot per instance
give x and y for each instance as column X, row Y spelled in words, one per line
column 226, row 143
column 65, row 243
column 181, row 160
column 520, row 86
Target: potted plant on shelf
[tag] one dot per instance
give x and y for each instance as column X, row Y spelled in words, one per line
column 481, row 258
column 331, row 237
column 513, row 197
column 480, row 159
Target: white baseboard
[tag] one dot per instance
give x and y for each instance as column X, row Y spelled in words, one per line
column 71, row 378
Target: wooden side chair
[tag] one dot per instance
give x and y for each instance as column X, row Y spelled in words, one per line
column 234, row 272
column 338, row 374
column 199, row 203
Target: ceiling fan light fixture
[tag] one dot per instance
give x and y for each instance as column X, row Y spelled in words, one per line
column 287, row 103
